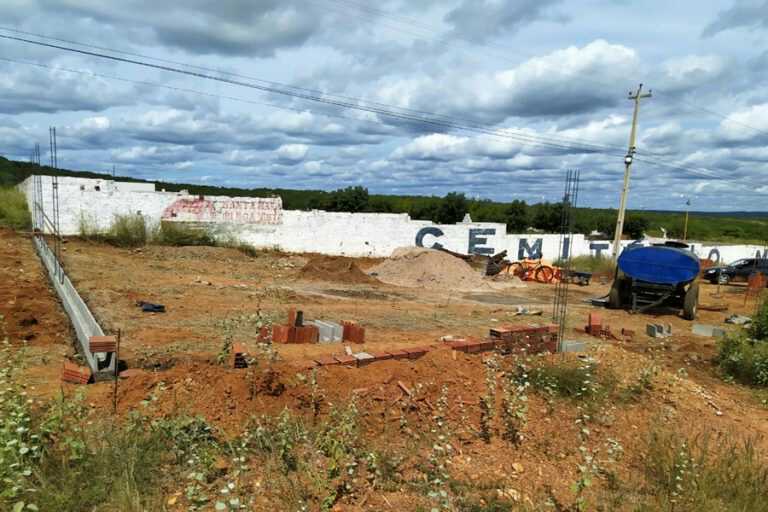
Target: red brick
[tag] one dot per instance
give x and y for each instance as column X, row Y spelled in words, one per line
column 263, row 334
column 281, row 334
column 461, row 346
column 306, row 334
column 400, row 354
column 481, row 346
column 347, row 360
column 75, row 374
column 102, row 343
column 381, row 356
column 291, row 317
column 326, row 361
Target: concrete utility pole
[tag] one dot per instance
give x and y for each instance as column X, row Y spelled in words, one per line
column 685, row 227
column 636, row 97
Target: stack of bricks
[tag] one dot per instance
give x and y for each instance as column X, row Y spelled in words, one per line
column 99, row 344
column 239, row 351
column 596, row 328
column 75, row 374
column 352, row 332
column 294, row 331
column 529, row 339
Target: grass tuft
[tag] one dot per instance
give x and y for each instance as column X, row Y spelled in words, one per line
column 14, row 212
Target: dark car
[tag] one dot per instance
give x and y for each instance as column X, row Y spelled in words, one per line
column 739, row 270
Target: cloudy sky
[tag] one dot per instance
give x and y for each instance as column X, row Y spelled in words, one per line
column 514, row 92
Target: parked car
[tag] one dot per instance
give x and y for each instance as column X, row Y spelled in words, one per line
column 739, row 270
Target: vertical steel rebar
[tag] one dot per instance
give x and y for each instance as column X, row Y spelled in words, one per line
column 567, row 219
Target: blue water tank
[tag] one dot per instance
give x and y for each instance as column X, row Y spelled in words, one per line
column 659, row 264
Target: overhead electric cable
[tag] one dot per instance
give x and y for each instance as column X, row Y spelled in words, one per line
column 554, row 139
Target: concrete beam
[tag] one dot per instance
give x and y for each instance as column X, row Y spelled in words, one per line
column 102, row 364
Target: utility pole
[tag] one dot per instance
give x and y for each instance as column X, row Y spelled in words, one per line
column 636, row 97
column 685, row 227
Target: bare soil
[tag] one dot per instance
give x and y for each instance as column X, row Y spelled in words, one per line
column 211, row 293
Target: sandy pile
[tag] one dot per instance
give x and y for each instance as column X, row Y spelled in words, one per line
column 428, row 268
column 335, row 269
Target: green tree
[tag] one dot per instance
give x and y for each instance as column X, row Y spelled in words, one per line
column 516, row 216
column 548, row 217
column 635, row 226
column 452, row 209
column 350, row 199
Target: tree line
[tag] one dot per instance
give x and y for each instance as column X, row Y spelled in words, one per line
column 518, row 216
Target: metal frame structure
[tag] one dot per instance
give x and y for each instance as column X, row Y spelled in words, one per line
column 570, row 198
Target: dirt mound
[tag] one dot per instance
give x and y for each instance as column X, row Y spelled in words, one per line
column 428, row 268
column 337, row 269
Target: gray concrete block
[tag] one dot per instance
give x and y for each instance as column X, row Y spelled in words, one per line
column 573, row 346
column 329, row 332
column 708, row 330
column 658, row 330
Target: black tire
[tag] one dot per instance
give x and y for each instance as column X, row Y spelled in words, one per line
column 723, row 278
column 614, row 296
column 691, row 302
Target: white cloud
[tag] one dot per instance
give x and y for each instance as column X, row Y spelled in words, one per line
column 292, row 152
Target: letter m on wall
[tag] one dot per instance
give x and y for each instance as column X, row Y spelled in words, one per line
column 533, row 252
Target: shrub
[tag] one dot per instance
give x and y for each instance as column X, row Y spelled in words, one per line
column 574, row 382
column 759, row 328
column 745, row 359
column 128, row 231
column 14, row 212
column 594, row 264
column 174, row 233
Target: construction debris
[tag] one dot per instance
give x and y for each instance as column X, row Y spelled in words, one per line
column 149, row 307
column 738, row 320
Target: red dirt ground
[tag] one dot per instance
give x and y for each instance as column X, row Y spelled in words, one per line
column 211, row 293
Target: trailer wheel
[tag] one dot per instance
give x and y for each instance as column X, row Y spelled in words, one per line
column 691, row 302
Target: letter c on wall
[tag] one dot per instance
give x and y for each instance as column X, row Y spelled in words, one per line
column 430, row 230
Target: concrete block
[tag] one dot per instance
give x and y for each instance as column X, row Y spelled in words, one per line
column 573, row 346
column 328, row 332
column 364, row 358
column 658, row 330
column 707, row 330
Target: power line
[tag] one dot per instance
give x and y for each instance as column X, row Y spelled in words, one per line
column 435, row 121
column 582, row 142
column 504, row 133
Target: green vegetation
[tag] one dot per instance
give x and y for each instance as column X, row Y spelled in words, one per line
column 14, row 212
column 744, row 355
column 174, row 233
column 517, row 215
column 594, row 264
column 703, row 476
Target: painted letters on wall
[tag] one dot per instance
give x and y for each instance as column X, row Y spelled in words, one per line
column 257, row 210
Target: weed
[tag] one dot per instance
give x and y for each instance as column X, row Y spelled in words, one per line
column 14, row 212
column 577, row 382
column 128, row 231
column 698, row 475
column 437, row 472
column 641, row 385
column 744, row 359
column 179, row 234
column 514, row 406
column 488, row 400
